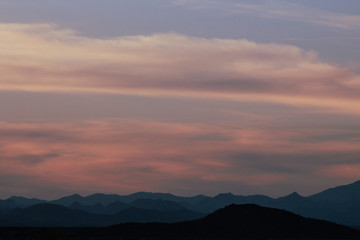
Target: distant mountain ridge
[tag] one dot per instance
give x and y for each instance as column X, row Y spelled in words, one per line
column 339, row 204
column 52, row 215
column 246, row 221
column 341, row 194
column 106, row 199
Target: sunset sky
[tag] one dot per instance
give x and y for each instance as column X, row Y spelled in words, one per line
column 182, row 96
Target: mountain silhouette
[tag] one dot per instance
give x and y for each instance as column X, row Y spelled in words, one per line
column 292, row 202
column 159, row 204
column 106, row 199
column 25, row 202
column 208, row 204
column 341, row 194
column 68, row 200
column 339, row 204
column 149, row 215
column 246, row 221
column 96, row 208
column 7, row 204
column 45, row 214
column 254, row 221
column 52, row 215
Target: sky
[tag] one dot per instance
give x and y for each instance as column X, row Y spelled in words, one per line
column 182, row 96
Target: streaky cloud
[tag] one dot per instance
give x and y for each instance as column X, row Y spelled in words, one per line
column 137, row 155
column 277, row 9
column 44, row 57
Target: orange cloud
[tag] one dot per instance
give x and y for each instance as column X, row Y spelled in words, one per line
column 42, row 57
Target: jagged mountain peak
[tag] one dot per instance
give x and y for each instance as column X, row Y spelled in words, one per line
column 68, row 200
column 224, row 195
column 294, row 195
column 76, row 195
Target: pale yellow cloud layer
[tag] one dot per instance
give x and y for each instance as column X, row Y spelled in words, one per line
column 43, row 57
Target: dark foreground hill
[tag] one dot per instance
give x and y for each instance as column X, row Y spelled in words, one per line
column 233, row 222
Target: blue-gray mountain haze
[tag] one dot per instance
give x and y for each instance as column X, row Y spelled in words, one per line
column 339, row 205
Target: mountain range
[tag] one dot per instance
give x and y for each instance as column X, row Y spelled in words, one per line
column 340, row 204
column 246, row 221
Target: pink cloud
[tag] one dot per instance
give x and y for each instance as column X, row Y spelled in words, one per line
column 46, row 58
column 249, row 147
column 348, row 171
column 127, row 156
